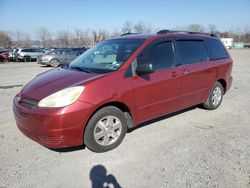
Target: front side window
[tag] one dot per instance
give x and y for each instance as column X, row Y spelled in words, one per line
column 53, row 52
column 107, row 56
column 192, row 51
column 160, row 55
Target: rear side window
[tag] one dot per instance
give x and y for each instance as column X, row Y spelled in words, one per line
column 192, row 51
column 217, row 49
column 27, row 50
column 36, row 50
column 161, row 56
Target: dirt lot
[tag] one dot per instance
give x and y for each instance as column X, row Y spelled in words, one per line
column 195, row 148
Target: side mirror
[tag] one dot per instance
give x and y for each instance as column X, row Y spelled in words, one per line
column 144, row 69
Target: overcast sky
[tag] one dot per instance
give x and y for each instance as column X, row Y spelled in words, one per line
column 56, row 15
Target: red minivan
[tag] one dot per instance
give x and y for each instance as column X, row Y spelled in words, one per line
column 121, row 83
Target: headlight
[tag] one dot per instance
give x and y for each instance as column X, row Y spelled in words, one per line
column 62, row 98
column 45, row 58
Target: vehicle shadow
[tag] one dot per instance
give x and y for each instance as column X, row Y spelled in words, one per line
column 100, row 178
column 68, row 149
column 163, row 118
column 45, row 66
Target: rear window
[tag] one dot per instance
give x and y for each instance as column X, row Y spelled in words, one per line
column 217, row 49
column 192, row 51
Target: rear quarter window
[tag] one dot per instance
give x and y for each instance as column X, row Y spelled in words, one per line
column 216, row 49
column 192, row 51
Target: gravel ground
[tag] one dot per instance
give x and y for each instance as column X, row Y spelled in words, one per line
column 193, row 148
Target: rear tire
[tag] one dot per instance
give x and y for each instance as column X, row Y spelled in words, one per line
column 27, row 59
column 215, row 97
column 105, row 130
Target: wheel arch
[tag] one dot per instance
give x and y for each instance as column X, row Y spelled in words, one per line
column 26, row 57
column 54, row 58
column 120, row 105
column 123, row 107
column 223, row 83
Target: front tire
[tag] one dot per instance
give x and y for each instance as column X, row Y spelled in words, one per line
column 54, row 63
column 215, row 98
column 105, row 130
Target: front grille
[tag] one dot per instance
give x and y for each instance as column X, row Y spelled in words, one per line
column 21, row 114
column 42, row 139
column 49, row 140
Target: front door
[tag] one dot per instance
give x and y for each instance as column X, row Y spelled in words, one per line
column 156, row 93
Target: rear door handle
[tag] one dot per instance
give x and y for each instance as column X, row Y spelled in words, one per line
column 186, row 71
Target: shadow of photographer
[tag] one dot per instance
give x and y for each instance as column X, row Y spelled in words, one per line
column 100, row 179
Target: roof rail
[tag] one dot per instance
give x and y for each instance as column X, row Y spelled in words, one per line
column 183, row 31
column 129, row 33
column 164, row 31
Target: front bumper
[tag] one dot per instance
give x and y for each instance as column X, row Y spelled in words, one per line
column 43, row 62
column 52, row 127
column 20, row 57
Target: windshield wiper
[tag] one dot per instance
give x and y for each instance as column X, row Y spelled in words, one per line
column 80, row 69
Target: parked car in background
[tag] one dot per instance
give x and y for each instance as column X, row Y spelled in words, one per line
column 29, row 54
column 4, row 53
column 47, row 50
column 99, row 96
column 57, row 57
column 13, row 54
column 228, row 42
column 79, row 51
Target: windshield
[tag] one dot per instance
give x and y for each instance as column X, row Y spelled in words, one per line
column 107, row 56
column 54, row 52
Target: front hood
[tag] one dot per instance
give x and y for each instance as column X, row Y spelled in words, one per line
column 47, row 56
column 55, row 80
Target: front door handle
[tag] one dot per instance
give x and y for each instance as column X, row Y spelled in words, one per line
column 174, row 74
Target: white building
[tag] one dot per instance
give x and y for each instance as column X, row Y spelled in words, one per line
column 228, row 42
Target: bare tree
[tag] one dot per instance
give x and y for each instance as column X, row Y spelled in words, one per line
column 81, row 38
column 44, row 36
column 99, row 36
column 115, row 33
column 18, row 38
column 26, row 40
column 247, row 34
column 127, row 27
column 195, row 28
column 141, row 27
column 77, row 37
column 212, row 28
column 5, row 39
column 64, row 38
